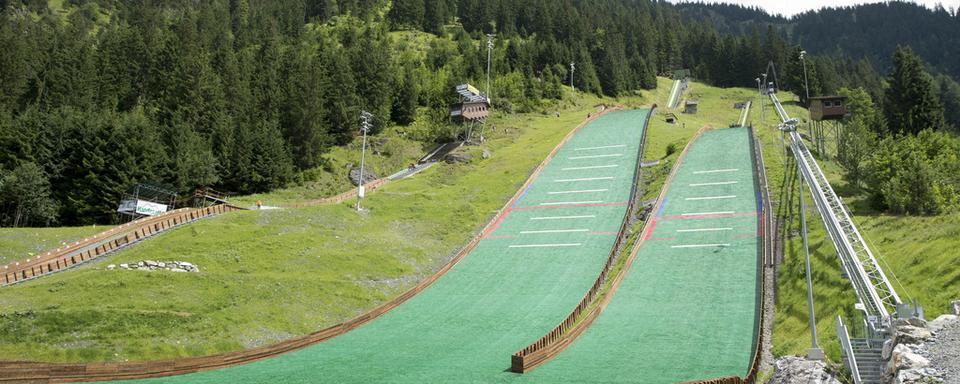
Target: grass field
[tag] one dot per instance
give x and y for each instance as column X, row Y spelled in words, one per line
column 271, row 275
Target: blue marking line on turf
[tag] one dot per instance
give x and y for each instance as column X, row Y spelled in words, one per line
column 521, row 196
column 662, row 204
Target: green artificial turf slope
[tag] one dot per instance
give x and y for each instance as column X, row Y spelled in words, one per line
column 687, row 308
column 512, row 288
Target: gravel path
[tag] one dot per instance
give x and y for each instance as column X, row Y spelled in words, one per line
column 944, row 352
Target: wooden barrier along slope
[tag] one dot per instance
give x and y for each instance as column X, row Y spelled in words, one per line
column 557, row 339
column 105, row 243
column 39, row 372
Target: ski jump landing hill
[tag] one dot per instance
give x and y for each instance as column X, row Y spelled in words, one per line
column 518, row 279
column 689, row 307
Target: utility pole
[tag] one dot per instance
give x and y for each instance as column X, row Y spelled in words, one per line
column 364, row 127
column 814, row 353
column 573, row 68
column 489, row 58
column 806, row 87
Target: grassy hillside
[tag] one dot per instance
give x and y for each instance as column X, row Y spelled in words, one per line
column 271, row 275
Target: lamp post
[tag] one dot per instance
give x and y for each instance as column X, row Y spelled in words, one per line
column 573, row 68
column 814, row 353
column 365, row 125
column 489, row 59
column 761, row 103
column 806, row 86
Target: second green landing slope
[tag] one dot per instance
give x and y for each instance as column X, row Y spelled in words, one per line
column 687, row 308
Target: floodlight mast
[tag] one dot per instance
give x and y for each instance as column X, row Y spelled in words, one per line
column 490, row 37
column 573, row 68
column 806, row 86
column 365, row 125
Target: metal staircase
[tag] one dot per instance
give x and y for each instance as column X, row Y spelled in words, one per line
column 869, row 363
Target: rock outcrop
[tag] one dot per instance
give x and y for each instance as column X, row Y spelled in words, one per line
column 150, row 265
column 797, row 370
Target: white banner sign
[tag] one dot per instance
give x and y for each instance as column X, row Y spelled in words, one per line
column 150, row 209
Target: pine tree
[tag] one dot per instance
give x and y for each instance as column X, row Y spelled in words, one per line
column 406, row 100
column 909, row 102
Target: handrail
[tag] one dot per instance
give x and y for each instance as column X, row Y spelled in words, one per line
column 65, row 372
column 557, row 339
column 846, row 349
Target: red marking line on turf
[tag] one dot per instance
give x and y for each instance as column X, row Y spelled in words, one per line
column 569, row 206
column 497, row 223
column 653, row 224
column 710, row 216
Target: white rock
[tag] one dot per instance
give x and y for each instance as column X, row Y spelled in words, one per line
column 125, row 266
column 177, row 270
column 887, row 350
column 111, row 267
column 905, row 358
column 150, row 263
column 797, row 370
column 909, row 334
column 955, row 307
column 161, row 264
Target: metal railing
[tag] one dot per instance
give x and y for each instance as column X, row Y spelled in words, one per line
column 846, row 351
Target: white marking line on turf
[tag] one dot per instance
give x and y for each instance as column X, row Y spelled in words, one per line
column 591, row 167
column 563, row 217
column 583, row 179
column 716, row 171
column 705, row 230
column 554, row 231
column 707, row 213
column 603, row 147
column 699, row 245
column 545, row 245
column 573, row 202
column 582, row 191
column 717, row 183
column 594, row 156
column 711, row 198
